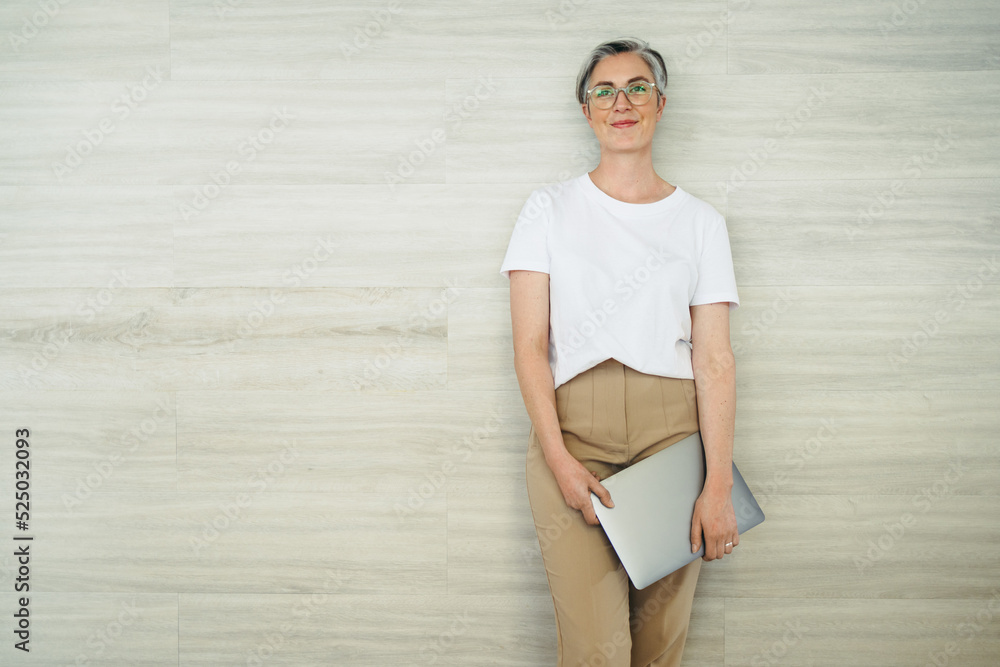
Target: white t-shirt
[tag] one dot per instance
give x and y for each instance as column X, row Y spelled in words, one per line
column 622, row 276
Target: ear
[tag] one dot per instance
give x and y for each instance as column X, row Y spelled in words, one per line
column 586, row 113
column 662, row 105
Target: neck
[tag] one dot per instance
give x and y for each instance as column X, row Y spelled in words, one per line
column 629, row 177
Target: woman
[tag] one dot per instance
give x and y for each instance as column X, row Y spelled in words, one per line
column 620, row 290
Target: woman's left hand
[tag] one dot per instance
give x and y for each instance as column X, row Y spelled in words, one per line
column 714, row 517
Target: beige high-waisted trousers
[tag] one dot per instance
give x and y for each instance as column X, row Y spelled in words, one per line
column 611, row 416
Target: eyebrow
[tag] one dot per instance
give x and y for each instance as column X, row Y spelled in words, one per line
column 609, row 83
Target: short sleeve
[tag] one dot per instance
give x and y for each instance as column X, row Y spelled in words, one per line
column 716, row 277
column 528, row 248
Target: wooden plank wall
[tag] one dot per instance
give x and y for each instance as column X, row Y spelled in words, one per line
column 250, row 311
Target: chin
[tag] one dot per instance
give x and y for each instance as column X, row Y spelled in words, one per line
column 631, row 148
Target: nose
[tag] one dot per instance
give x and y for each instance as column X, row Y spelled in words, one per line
column 620, row 95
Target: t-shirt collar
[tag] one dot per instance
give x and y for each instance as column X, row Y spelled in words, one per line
column 628, row 209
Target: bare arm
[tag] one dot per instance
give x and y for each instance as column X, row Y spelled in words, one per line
column 529, row 314
column 715, row 382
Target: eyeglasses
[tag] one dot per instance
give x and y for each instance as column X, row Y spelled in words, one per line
column 637, row 92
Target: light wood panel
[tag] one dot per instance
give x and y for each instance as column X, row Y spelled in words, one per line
column 350, row 338
column 243, row 540
column 83, row 41
column 783, row 36
column 878, row 337
column 255, row 235
column 211, row 135
column 871, row 632
column 95, row 442
column 256, row 39
column 399, row 442
column 903, row 231
column 98, row 628
column 836, row 442
column 106, row 238
column 363, row 630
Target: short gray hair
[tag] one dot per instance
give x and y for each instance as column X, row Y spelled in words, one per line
column 614, row 47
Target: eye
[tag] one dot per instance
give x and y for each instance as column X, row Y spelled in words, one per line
column 640, row 87
column 602, row 92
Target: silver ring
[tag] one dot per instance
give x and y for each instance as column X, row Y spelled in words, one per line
column 729, row 544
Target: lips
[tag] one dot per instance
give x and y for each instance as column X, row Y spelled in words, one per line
column 624, row 123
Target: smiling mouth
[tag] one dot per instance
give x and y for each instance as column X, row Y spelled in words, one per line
column 623, row 124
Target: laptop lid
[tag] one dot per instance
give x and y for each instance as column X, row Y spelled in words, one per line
column 650, row 524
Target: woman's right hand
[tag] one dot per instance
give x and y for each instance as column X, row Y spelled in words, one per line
column 576, row 483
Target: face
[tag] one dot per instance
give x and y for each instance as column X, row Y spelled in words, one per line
column 624, row 127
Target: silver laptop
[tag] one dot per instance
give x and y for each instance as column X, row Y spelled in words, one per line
column 650, row 524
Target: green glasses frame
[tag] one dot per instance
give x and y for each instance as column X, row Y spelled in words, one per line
column 623, row 89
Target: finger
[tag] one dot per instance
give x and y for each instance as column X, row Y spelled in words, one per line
column 590, row 516
column 602, row 493
column 695, row 533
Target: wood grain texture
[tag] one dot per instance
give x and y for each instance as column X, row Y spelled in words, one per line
column 205, row 134
column 872, row 632
column 251, row 311
column 904, row 231
column 100, row 628
column 256, row 39
column 226, row 541
column 354, row 338
column 783, row 36
column 350, row 629
column 881, row 337
column 83, row 41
